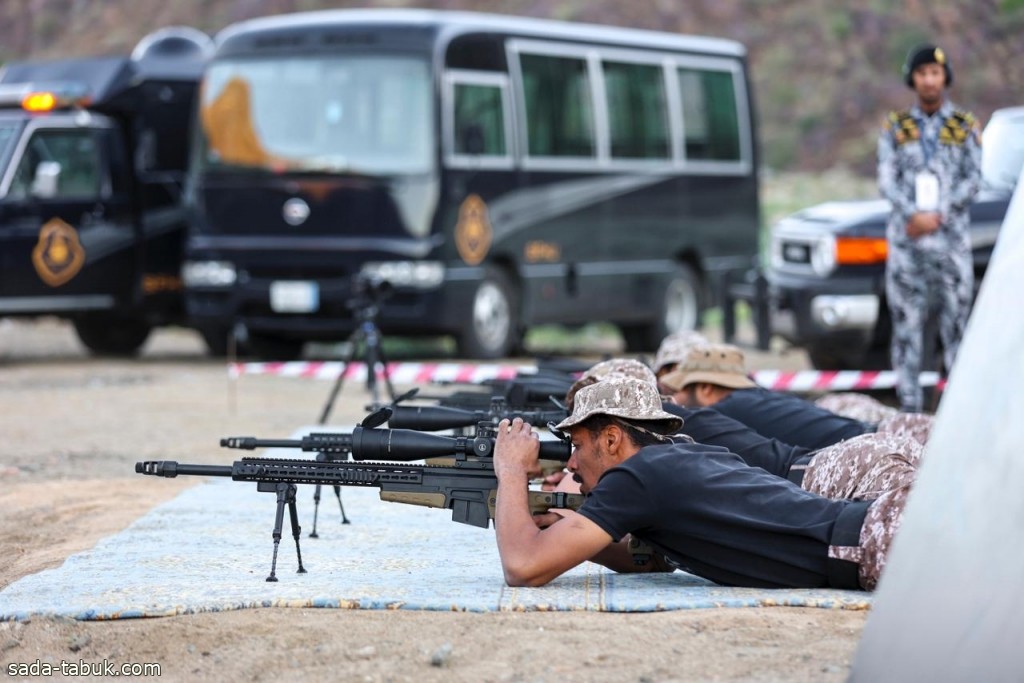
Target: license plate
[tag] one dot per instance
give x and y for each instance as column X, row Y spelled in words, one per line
column 294, row 297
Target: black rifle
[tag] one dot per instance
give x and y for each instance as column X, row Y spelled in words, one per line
column 467, row 486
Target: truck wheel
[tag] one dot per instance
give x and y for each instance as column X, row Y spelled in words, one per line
column 267, row 347
column 107, row 334
column 679, row 311
column 491, row 329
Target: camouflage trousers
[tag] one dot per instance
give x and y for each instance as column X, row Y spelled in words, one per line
column 912, row 280
column 855, row 406
column 888, row 420
column 917, row 426
column 879, row 467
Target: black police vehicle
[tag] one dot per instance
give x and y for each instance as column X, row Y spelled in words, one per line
column 827, row 262
column 92, row 159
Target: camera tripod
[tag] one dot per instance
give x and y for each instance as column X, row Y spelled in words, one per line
column 366, row 339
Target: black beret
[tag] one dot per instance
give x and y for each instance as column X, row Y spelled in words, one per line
column 926, row 54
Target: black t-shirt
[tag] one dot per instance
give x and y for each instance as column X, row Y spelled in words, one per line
column 712, row 427
column 716, row 517
column 788, row 418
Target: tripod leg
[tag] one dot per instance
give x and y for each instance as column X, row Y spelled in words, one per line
column 282, row 498
column 337, row 494
column 296, row 529
column 316, row 510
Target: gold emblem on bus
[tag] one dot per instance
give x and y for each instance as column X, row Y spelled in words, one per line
column 58, row 255
column 473, row 231
column 538, row 251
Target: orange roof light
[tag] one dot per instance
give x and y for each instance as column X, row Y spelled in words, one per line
column 39, row 101
column 861, row 250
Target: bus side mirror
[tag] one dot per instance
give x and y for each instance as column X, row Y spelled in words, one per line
column 47, row 180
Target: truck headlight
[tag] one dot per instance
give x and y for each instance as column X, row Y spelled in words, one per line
column 823, row 255
column 208, row 274
column 411, row 274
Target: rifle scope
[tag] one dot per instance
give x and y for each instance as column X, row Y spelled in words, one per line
column 437, row 418
column 401, row 445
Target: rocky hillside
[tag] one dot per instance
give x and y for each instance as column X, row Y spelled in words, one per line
column 824, row 73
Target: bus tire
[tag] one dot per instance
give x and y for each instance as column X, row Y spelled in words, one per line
column 110, row 334
column 491, row 329
column 270, row 348
column 679, row 311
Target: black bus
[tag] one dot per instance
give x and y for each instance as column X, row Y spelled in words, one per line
column 497, row 172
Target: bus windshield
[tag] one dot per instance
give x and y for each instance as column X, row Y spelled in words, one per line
column 368, row 115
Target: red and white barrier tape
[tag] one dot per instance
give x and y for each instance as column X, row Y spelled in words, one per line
column 803, row 381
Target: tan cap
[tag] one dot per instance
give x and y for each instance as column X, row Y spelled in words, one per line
column 720, row 364
column 675, row 346
column 624, row 397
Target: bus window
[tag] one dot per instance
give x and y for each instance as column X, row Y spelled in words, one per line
column 479, row 120
column 637, row 111
column 559, row 110
column 709, row 115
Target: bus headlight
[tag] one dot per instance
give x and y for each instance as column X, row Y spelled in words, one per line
column 208, row 274
column 411, row 274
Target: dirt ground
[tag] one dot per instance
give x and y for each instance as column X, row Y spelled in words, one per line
column 72, row 428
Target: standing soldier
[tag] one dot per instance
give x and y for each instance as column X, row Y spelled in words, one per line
column 929, row 167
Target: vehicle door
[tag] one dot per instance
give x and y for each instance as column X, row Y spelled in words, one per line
column 68, row 244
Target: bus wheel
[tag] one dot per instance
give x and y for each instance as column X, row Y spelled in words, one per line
column 491, row 329
column 267, row 347
column 108, row 334
column 679, row 311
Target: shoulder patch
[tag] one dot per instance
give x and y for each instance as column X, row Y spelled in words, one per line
column 902, row 126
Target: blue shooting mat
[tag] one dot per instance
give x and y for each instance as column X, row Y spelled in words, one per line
column 210, row 548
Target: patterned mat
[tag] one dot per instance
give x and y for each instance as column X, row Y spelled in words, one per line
column 210, row 550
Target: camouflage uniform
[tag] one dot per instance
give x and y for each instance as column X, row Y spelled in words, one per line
column 888, row 420
column 855, row 406
column 878, row 467
column 948, row 145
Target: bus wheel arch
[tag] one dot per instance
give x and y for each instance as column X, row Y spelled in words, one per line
column 492, row 327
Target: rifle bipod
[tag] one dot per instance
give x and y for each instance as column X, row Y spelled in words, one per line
column 285, row 495
column 325, row 457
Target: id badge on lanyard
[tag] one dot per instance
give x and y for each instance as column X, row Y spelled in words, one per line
column 926, row 191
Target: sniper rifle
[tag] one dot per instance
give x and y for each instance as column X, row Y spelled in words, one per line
column 467, row 486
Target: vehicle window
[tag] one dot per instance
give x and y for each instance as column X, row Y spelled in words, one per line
column 479, row 120
column 710, row 119
column 637, row 111
column 77, row 154
column 559, row 110
column 365, row 114
column 7, row 136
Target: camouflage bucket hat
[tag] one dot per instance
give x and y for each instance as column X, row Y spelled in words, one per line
column 720, row 364
column 624, row 397
column 624, row 367
column 674, row 348
column 615, row 367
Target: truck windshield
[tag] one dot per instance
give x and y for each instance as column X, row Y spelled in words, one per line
column 340, row 114
column 1002, row 151
column 8, row 135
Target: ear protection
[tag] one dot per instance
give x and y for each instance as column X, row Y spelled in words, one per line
column 925, row 54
